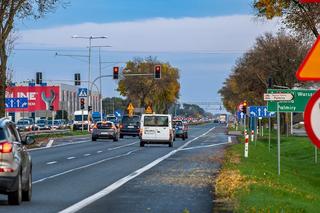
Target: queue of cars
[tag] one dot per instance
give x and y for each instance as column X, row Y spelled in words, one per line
column 28, row 124
column 151, row 128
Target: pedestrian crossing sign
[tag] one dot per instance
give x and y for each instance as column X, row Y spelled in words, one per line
column 83, row 92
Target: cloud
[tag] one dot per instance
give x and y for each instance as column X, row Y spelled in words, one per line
column 228, row 33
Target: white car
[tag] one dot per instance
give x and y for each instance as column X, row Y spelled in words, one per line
column 156, row 128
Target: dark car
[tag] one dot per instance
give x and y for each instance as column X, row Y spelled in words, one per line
column 130, row 126
column 181, row 129
column 15, row 164
column 106, row 130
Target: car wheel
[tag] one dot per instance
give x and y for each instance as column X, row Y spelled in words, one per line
column 183, row 137
column 27, row 194
column 115, row 138
column 187, row 135
column 121, row 136
column 15, row 198
column 141, row 144
column 94, row 139
column 171, row 144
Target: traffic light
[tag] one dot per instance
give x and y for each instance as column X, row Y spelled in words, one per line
column 115, row 73
column 51, row 108
column 82, row 103
column 270, row 82
column 157, row 72
column 89, row 108
column 77, row 79
column 39, row 78
column 244, row 108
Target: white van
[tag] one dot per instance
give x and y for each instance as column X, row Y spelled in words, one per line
column 156, row 128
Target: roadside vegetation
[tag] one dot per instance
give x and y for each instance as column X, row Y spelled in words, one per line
column 252, row 185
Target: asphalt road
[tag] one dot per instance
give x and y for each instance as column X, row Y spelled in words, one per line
column 107, row 176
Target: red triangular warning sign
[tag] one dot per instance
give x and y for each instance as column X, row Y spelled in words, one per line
column 309, row 70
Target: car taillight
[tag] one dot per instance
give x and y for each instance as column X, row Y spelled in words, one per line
column 121, row 126
column 95, row 126
column 5, row 147
column 6, row 170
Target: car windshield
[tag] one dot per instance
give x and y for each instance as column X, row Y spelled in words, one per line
column 41, row 121
column 156, row 121
column 112, row 119
column 24, row 122
column 2, row 134
column 79, row 117
column 130, row 120
column 57, row 122
column 104, row 125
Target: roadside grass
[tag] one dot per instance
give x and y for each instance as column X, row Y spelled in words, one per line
column 252, row 185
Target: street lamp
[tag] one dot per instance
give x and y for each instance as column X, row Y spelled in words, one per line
column 90, row 38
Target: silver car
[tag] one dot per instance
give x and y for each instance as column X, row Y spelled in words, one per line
column 15, row 164
column 105, row 129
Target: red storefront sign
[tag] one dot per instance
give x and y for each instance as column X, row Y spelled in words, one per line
column 39, row 97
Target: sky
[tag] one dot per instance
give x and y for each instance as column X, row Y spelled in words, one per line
column 202, row 38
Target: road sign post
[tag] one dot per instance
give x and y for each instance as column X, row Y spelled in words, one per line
column 278, row 130
column 246, row 146
column 269, row 139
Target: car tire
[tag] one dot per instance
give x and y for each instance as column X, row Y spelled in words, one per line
column 27, row 194
column 187, row 135
column 183, row 137
column 171, row 144
column 15, row 198
column 94, row 139
column 121, row 136
column 141, row 144
column 115, row 139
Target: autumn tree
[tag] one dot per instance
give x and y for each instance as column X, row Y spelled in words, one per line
column 10, row 11
column 303, row 19
column 144, row 90
column 276, row 56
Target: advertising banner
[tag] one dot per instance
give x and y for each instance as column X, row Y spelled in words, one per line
column 39, row 97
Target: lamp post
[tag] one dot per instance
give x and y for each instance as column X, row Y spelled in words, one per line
column 90, row 38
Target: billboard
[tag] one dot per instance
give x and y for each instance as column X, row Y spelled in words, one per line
column 39, row 97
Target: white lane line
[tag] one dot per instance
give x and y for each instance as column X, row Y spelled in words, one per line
column 99, row 151
column 86, row 155
column 206, row 146
column 71, row 158
column 87, row 201
column 85, row 166
column 119, row 147
column 52, row 162
column 50, row 143
column 68, row 144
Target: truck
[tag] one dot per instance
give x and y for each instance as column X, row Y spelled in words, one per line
column 79, row 122
column 96, row 116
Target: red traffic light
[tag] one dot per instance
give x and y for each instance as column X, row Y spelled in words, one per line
column 157, row 71
column 115, row 72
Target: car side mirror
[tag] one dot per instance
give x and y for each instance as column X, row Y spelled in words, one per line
column 28, row 140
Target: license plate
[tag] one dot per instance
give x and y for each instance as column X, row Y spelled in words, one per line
column 149, row 132
column 130, row 127
column 105, row 133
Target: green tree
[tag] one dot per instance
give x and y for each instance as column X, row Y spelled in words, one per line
column 114, row 103
column 304, row 19
column 276, row 56
column 61, row 114
column 145, row 90
column 10, row 11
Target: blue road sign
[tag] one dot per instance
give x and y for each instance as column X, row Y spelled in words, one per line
column 83, row 92
column 240, row 115
column 118, row 113
column 260, row 112
column 20, row 103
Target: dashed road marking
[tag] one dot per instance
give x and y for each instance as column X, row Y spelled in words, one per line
column 70, row 158
column 86, row 155
column 52, row 162
column 99, row 151
column 119, row 147
column 50, row 143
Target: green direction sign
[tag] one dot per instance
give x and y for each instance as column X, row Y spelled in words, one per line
column 297, row 104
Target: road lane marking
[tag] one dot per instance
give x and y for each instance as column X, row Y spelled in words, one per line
column 91, row 199
column 119, row 147
column 86, row 155
column 99, row 151
column 52, row 162
column 70, row 158
column 205, row 146
column 85, row 166
column 50, row 143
